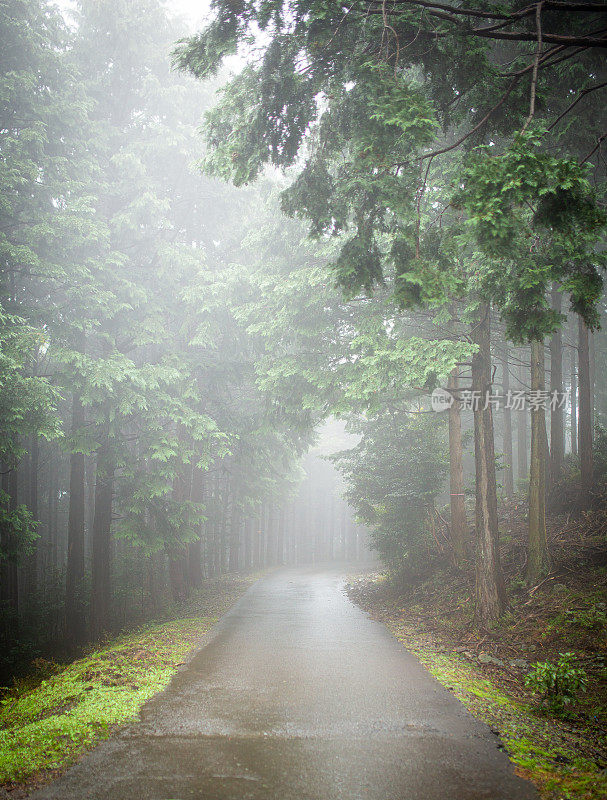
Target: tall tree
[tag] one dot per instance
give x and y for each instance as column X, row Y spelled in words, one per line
column 537, row 555
column 585, row 409
column 557, row 419
column 459, row 523
column 371, row 143
column 508, row 465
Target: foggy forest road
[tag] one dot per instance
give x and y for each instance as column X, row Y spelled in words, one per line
column 298, row 696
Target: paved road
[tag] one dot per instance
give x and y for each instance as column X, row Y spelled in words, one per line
column 299, row 696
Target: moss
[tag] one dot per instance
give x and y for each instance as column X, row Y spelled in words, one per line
column 542, row 749
column 48, row 726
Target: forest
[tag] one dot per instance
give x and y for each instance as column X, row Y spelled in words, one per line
column 298, row 286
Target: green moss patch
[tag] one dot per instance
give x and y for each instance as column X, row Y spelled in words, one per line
column 556, row 756
column 45, row 728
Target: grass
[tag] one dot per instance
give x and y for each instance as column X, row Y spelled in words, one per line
column 48, row 726
column 49, row 719
column 544, row 749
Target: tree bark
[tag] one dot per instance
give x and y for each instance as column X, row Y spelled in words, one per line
column 177, row 550
column 234, row 543
column 574, row 404
column 33, row 465
column 280, row 537
column 585, row 411
column 538, row 563
column 508, row 467
column 557, row 424
column 521, row 430
column 195, row 547
column 9, row 574
column 101, row 542
column 270, row 550
column 74, row 606
column 248, row 543
column 459, row 523
column 490, row 587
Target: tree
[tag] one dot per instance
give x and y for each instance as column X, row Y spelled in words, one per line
column 393, row 477
column 376, row 126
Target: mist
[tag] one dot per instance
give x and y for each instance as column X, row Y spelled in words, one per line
column 301, row 336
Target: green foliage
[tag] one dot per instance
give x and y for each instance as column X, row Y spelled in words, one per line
column 557, row 684
column 47, row 726
column 590, row 619
column 599, row 448
column 537, row 221
column 362, row 110
column 393, row 477
column 18, row 530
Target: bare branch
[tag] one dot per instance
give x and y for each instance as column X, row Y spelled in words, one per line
column 536, row 63
column 600, row 140
column 580, row 96
column 479, row 125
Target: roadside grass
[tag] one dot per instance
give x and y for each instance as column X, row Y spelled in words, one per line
column 45, row 725
column 432, row 613
column 544, row 749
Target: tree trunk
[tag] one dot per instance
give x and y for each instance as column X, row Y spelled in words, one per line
column 248, row 543
column 177, row 550
column 574, row 404
column 52, row 511
column 508, row 466
column 234, row 543
column 459, row 523
column 557, row 425
column 32, row 561
column 270, row 550
column 538, row 563
column 74, row 607
column 585, row 411
column 101, row 542
column 195, row 547
column 280, row 537
column 9, row 574
column 521, row 430
column 592, row 373
column 490, row 587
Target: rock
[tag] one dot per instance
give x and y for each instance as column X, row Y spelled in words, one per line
column 485, row 658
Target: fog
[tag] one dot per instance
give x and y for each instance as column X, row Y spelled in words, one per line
column 228, row 302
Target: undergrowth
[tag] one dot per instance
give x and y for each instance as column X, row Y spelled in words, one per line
column 544, row 750
column 46, row 727
column 46, row 724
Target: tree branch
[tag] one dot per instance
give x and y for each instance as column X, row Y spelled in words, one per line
column 536, row 63
column 580, row 96
column 479, row 125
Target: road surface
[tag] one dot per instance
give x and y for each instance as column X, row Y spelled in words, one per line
column 298, row 695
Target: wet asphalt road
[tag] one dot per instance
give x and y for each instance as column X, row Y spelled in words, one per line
column 298, row 695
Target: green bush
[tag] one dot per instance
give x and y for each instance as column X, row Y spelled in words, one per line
column 590, row 619
column 557, row 684
column 393, row 477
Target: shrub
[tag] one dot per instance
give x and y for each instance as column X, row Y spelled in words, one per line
column 557, row 684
